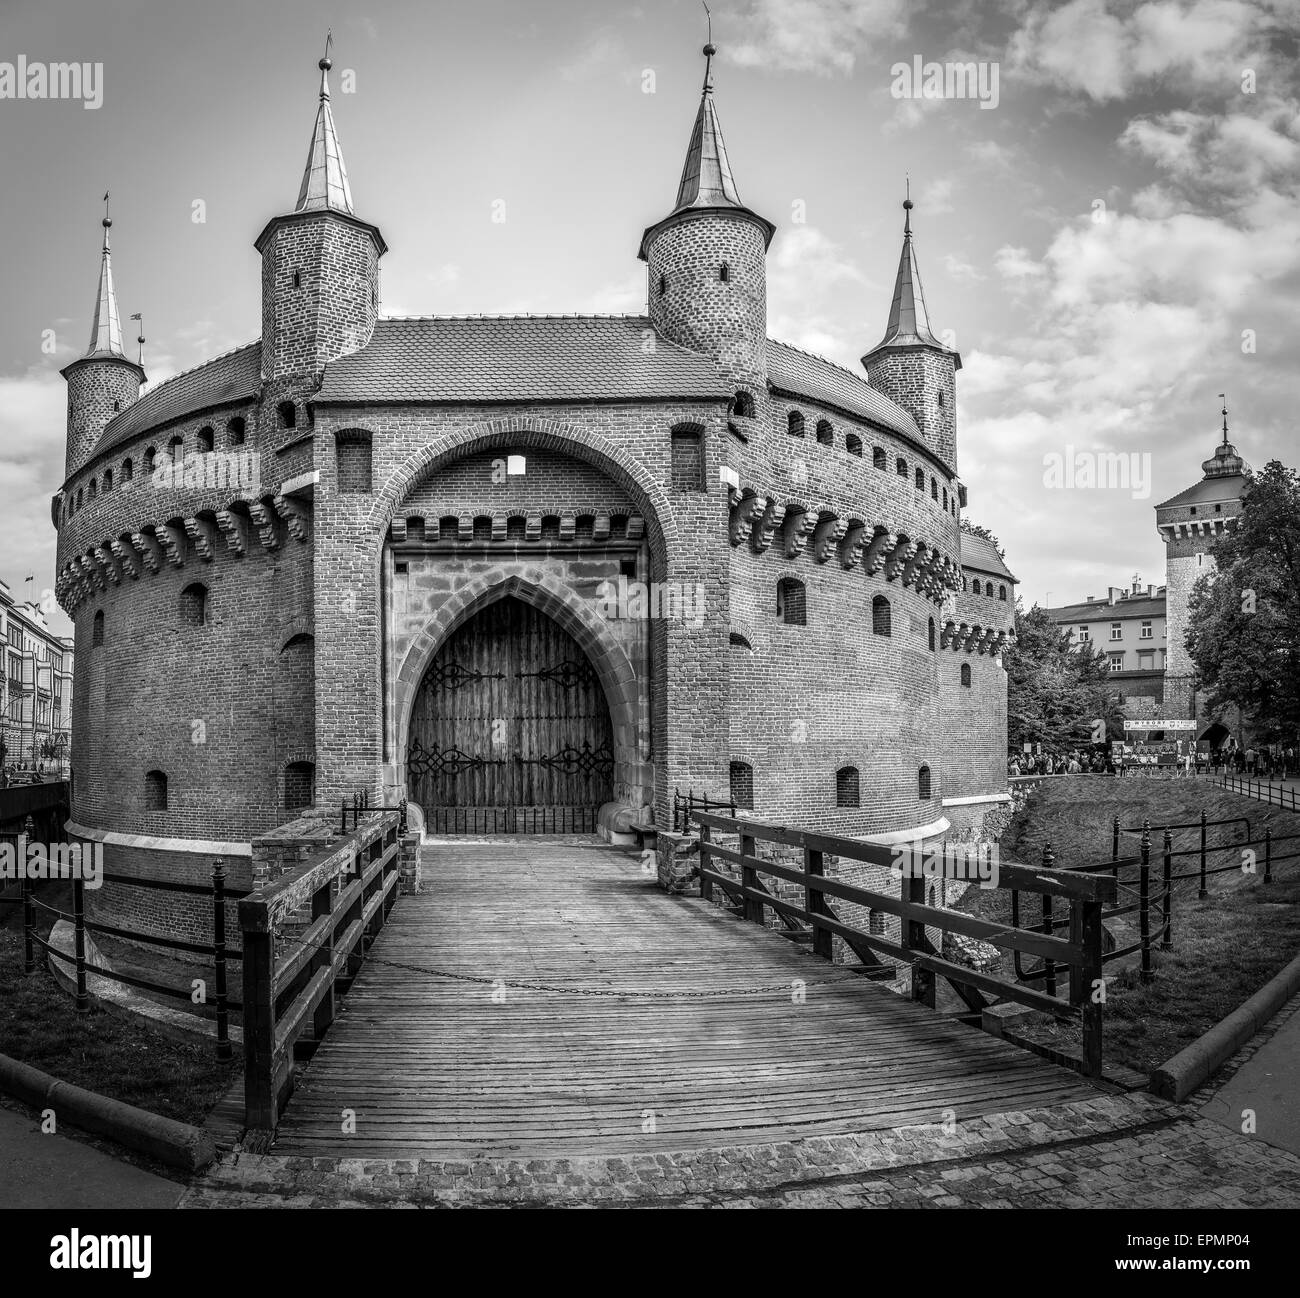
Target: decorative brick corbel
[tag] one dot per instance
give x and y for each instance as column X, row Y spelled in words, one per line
column 107, row 565
column 264, row 520
column 742, row 517
column 499, row 527
column 465, row 527
column 204, row 537
column 796, row 530
column 764, row 528
column 90, row 572
column 533, row 527
column 172, row 540
column 600, row 528
column 915, row 566
column 235, row 528
column 855, row 537
column 127, row 558
column 568, row 526
column 826, row 537
column 635, row 527
column 898, row 557
column 877, row 551
column 150, row 550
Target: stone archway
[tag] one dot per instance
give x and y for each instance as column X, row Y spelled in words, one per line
column 626, row 696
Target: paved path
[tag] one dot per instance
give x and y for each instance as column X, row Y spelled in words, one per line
column 52, row 1171
column 665, row 1024
column 1266, row 1084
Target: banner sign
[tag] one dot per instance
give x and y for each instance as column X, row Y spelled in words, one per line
column 1151, row 724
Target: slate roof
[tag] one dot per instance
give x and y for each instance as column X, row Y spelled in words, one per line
column 454, row 359
column 234, row 376
column 1227, row 489
column 983, row 555
column 1101, row 610
column 806, row 375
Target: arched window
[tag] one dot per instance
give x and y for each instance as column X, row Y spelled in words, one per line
column 923, row 782
column 743, row 405
column 688, row 458
column 155, row 791
column 825, row 434
column 724, row 272
column 965, row 674
column 207, row 439
column 945, row 497
column 901, row 466
column 128, row 470
column 791, row 602
column 931, row 633
column 415, row 528
column 353, row 460
column 853, row 444
column 97, row 628
column 795, row 423
column 934, row 490
column 176, row 449
column 194, row 604
column 1002, row 592
column 920, row 479
column 236, row 432
column 299, row 785
column 92, row 489
column 846, row 786
column 79, row 498
column 879, row 460
column 150, row 458
column 742, row 785
column 881, row 621
column 108, row 479
column 663, row 285
column 288, row 414
column 738, row 641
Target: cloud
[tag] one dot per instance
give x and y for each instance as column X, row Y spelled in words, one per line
column 963, row 270
column 602, row 50
column 1108, row 49
column 806, row 271
column 821, row 36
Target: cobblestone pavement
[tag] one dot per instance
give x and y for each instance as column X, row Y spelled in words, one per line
column 1115, row 1151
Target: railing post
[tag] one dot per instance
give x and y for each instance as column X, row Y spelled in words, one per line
column 322, row 904
column 1049, row 966
column 912, row 936
column 751, row 908
column 1144, row 902
column 79, row 941
column 706, row 863
column 1166, row 901
column 1201, row 893
column 1268, row 854
column 260, row 1107
column 815, row 901
column 1086, row 977
column 29, row 927
column 1114, row 840
column 219, row 957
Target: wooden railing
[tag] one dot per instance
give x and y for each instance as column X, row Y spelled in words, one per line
column 292, row 974
column 1080, row 954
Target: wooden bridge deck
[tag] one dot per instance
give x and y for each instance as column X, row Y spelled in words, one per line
column 435, row 1068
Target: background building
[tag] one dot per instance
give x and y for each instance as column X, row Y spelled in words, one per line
column 35, row 688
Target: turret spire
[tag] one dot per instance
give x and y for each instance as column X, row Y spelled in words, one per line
column 325, row 180
column 706, row 177
column 106, row 327
column 909, row 322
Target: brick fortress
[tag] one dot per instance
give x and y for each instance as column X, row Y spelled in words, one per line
column 410, row 595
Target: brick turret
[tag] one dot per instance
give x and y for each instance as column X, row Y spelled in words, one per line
column 102, row 382
column 910, row 365
column 706, row 260
column 320, row 264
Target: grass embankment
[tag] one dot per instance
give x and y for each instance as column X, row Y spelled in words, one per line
column 1224, row 948
column 103, row 1052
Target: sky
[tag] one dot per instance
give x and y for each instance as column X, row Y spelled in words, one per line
column 1110, row 240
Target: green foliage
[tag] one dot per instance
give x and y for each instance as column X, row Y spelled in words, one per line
column 1054, row 692
column 1244, row 617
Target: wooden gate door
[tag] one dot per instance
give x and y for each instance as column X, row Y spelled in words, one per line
column 510, row 733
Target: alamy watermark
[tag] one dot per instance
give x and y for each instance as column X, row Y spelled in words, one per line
column 228, row 470
column 673, row 601
column 29, row 80
column 40, row 861
column 1105, row 470
column 965, row 862
column 922, row 80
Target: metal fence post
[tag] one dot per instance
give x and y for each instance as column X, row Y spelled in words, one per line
column 1114, row 840
column 1049, row 966
column 1166, row 902
column 751, row 907
column 706, row 863
column 1268, row 854
column 1201, row 893
column 1144, row 902
column 79, row 942
column 219, row 957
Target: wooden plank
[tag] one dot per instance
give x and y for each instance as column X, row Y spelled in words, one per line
column 997, row 986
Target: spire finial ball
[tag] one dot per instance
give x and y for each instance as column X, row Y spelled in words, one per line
column 908, row 205
column 325, row 65
column 710, row 49
column 106, row 223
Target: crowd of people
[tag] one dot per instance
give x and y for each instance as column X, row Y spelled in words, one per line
column 1262, row 762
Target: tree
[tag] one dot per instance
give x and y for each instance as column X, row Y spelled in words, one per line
column 1244, row 616
column 978, row 529
column 1055, row 692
